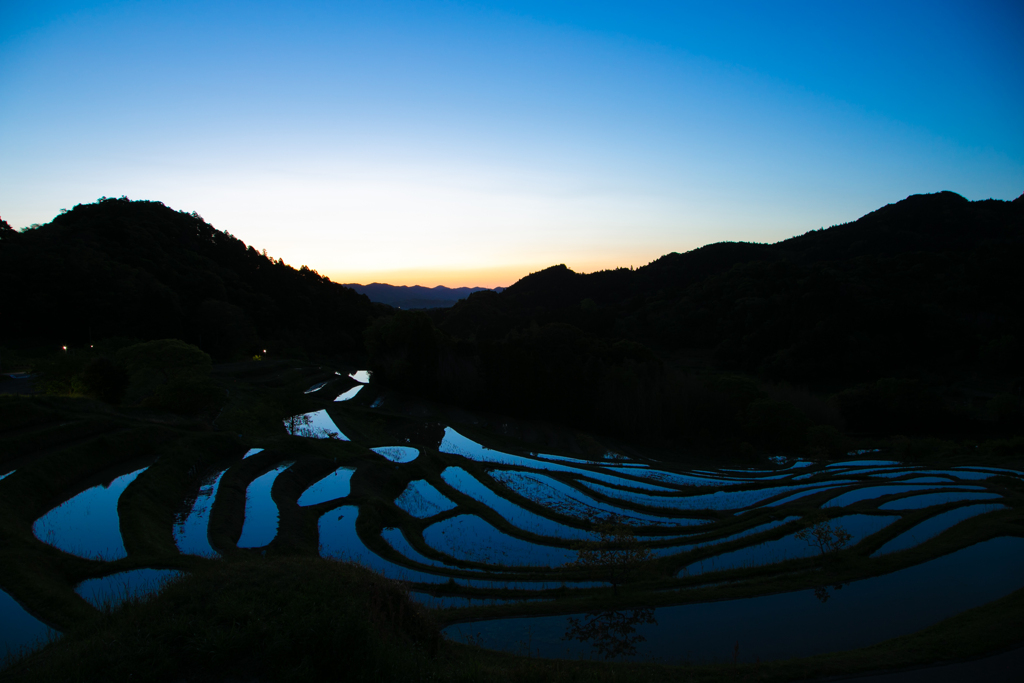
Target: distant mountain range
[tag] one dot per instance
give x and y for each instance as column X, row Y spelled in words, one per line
column 413, row 297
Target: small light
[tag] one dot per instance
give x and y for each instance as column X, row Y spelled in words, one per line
column 65, row 348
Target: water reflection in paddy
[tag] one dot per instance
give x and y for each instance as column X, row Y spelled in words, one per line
column 87, row 525
column 786, row 548
column 350, row 394
column 339, row 540
column 400, row 543
column 315, row 425
column 18, row 628
column 337, row 484
column 795, row 624
column 260, row 525
column 6, row 474
column 566, row 500
column 114, row 589
column 421, row 500
column 865, row 463
column 962, row 475
column 1000, row 470
column 190, row 528
column 872, row 492
column 801, row 494
column 400, row 454
column 362, row 376
column 934, row 526
column 759, row 529
column 681, row 479
column 720, row 500
column 930, row 499
column 472, row 539
column 457, row 444
column 463, row 482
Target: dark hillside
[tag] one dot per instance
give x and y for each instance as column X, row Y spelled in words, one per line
column 909, row 318
column 138, row 269
column 924, row 285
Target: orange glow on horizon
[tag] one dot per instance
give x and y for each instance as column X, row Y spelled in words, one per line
column 501, row 276
column 498, row 276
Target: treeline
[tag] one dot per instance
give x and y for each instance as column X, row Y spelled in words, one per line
column 140, row 270
column 904, row 322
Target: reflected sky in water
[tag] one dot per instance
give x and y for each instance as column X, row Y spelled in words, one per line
column 472, row 539
column 795, row 624
column 316, row 387
column 463, row 482
column 87, row 525
column 191, row 529
column 399, row 454
column 315, row 425
column 786, row 548
column 421, row 500
column 398, row 541
column 18, row 628
column 934, row 526
column 351, row 393
column 337, row 484
column 339, row 540
column 261, row 514
column 872, row 492
column 571, row 502
column 114, row 589
column 719, row 500
column 930, row 499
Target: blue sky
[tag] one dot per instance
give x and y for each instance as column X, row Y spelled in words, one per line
column 465, row 143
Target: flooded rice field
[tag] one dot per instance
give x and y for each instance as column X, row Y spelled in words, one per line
column 87, row 524
column 471, row 522
column 800, row 623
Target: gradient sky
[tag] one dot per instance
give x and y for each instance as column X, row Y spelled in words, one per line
column 470, row 143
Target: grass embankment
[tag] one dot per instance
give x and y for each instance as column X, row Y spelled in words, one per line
column 274, row 619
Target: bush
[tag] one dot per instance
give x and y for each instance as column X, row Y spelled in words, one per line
column 169, row 374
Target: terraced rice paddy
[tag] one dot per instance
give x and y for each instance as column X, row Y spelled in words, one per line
column 87, row 524
column 473, row 526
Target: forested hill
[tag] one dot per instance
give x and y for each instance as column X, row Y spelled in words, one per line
column 921, row 224
column 908, row 318
column 929, row 284
column 138, row 269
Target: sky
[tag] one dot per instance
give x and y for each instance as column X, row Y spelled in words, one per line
column 471, row 143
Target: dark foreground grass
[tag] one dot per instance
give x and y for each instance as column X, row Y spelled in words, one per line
column 291, row 619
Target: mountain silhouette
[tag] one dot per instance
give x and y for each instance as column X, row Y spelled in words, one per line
column 408, row 298
column 138, row 269
column 908, row 318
